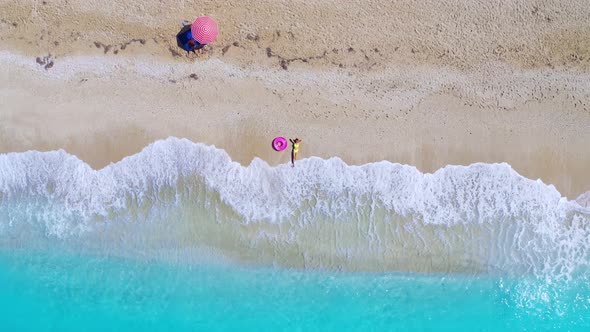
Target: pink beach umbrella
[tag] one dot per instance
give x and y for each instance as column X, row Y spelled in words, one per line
column 204, row 30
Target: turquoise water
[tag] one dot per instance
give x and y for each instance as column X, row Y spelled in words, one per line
column 63, row 292
column 180, row 238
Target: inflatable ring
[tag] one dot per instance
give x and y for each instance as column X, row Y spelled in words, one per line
column 279, row 143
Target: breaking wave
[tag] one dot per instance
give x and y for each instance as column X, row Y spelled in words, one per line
column 182, row 199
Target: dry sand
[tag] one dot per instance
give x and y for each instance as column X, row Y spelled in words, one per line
column 426, row 83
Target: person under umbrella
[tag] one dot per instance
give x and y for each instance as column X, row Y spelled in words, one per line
column 203, row 31
column 193, row 45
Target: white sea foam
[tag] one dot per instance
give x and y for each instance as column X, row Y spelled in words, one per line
column 482, row 214
column 584, row 199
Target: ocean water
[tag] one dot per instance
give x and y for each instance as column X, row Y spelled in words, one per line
column 66, row 292
column 179, row 237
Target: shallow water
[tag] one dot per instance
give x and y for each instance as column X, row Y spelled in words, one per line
column 179, row 237
column 176, row 195
column 63, row 292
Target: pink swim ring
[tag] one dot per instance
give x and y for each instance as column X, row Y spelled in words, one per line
column 279, row 143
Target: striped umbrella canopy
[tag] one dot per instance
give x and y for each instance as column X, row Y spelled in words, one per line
column 204, row 30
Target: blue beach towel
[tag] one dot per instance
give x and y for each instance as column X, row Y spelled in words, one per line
column 185, row 37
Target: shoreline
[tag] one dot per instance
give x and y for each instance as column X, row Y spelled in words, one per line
column 104, row 108
column 177, row 194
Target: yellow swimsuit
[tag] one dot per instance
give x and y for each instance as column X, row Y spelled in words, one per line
column 295, row 147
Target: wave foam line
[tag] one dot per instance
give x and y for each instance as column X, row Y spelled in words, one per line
column 485, row 215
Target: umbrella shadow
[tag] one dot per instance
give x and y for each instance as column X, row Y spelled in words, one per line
column 183, row 37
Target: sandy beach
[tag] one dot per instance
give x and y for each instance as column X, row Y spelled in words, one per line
column 426, row 84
